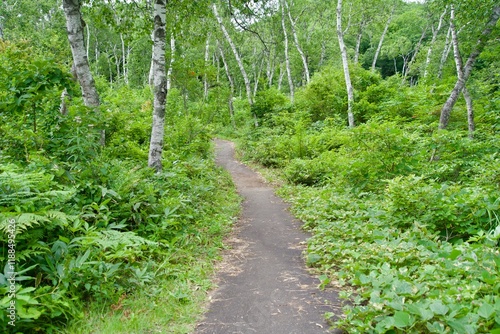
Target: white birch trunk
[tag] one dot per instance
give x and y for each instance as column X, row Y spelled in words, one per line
column 358, row 40
column 415, row 53
column 444, row 55
column 160, row 86
column 345, row 64
column 74, row 28
column 467, row 69
column 280, row 78
column 172, row 60
column 435, row 32
column 88, row 40
column 381, row 41
column 270, row 69
column 236, row 54
column 231, row 85
column 287, row 58
column 205, row 77
column 470, row 112
column 124, row 61
column 297, row 44
column 459, row 66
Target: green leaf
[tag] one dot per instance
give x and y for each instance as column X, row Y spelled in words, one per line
column 402, row 319
column 312, row 259
column 439, row 308
column 454, row 254
column 486, row 310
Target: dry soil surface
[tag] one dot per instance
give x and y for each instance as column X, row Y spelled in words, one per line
column 263, row 284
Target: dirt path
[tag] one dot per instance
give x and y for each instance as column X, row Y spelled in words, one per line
column 264, row 287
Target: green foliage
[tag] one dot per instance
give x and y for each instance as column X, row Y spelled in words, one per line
column 268, row 101
column 401, row 279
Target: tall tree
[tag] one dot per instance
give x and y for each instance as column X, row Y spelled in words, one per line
column 345, row 64
column 467, row 69
column 297, row 44
column 287, row 55
column 460, row 73
column 159, row 85
column 381, row 41
column 74, row 27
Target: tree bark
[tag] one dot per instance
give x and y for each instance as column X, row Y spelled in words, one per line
column 159, row 85
column 345, row 64
column 381, row 41
column 236, row 54
column 74, row 26
column 297, row 44
column 124, row 61
column 287, row 57
column 467, row 69
column 460, row 75
column 444, row 55
column 231, row 85
column 171, row 62
column 435, row 32
column 358, row 40
column 238, row 60
column 205, row 77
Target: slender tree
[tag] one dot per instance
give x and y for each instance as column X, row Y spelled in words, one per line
column 159, row 85
column 74, row 27
column 287, row 56
column 297, row 44
column 381, row 41
column 345, row 64
column 467, row 68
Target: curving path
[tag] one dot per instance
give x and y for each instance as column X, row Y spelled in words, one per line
column 263, row 284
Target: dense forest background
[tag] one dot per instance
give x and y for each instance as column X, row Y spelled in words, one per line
column 381, row 119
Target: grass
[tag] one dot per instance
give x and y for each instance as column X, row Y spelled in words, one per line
column 176, row 299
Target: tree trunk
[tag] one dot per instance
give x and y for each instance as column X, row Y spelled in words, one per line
column 236, row 54
column 415, row 53
column 381, row 41
column 205, row 77
column 270, row 69
column 345, row 64
column 74, row 28
column 238, row 60
column 460, row 75
column 124, row 61
column 231, row 85
column 297, row 44
column 160, row 86
column 172, row 60
column 470, row 112
column 280, row 77
column 358, row 40
column 467, row 69
column 435, row 32
column 287, row 57
column 88, row 40
column 444, row 55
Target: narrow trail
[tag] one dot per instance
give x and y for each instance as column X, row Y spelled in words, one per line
column 264, row 286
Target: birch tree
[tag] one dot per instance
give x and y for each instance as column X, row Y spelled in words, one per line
column 74, row 27
column 287, row 56
column 231, row 84
column 460, row 73
column 297, row 44
column 381, row 41
column 467, row 68
column 345, row 65
column 435, row 31
column 159, row 86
